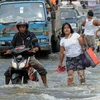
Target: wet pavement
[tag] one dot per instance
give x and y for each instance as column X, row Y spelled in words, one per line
column 57, row 84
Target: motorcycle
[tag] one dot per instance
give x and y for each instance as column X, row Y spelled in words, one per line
column 21, row 71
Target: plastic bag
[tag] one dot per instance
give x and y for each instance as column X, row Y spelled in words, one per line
column 85, row 61
column 61, row 69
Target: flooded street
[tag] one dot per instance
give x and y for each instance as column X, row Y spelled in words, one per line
column 57, row 84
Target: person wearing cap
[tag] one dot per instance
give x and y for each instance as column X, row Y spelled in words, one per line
column 24, row 37
column 89, row 24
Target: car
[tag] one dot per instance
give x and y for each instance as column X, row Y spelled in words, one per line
column 71, row 16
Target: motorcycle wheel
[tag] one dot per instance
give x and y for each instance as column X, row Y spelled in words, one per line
column 16, row 79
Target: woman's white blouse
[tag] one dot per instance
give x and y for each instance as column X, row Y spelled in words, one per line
column 71, row 45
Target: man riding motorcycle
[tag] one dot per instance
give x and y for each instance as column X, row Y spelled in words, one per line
column 24, row 37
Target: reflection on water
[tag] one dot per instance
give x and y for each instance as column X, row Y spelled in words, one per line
column 57, row 90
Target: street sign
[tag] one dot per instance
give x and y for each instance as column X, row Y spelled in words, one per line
column 91, row 4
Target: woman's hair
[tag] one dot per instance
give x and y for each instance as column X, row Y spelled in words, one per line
column 63, row 34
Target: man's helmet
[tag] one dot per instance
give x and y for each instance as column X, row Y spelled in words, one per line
column 22, row 22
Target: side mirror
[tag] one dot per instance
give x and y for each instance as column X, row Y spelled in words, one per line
column 53, row 15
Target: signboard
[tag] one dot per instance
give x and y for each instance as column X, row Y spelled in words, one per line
column 91, row 4
column 86, row 0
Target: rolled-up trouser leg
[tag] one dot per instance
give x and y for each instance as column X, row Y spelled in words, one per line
column 37, row 66
column 40, row 69
column 7, row 76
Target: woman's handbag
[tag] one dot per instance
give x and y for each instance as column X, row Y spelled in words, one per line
column 91, row 57
column 85, row 61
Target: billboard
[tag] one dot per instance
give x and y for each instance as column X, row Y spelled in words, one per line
column 91, row 4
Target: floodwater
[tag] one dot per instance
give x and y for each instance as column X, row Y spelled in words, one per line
column 57, row 84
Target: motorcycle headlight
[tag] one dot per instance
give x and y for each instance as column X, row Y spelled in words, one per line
column 18, row 65
column 22, row 64
column 14, row 65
